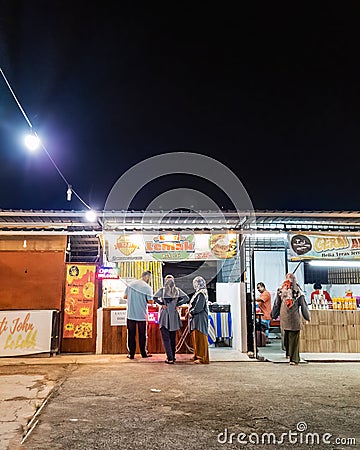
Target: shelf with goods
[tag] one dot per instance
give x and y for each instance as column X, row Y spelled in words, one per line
column 345, row 303
column 319, row 302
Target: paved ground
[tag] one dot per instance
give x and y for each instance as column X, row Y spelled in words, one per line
column 272, row 352
column 114, row 403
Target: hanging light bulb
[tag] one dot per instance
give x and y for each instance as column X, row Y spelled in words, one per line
column 68, row 193
column 32, row 141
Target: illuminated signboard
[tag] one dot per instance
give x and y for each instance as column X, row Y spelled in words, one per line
column 108, row 273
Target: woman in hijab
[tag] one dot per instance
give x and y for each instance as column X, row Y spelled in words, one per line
column 289, row 300
column 199, row 321
column 170, row 297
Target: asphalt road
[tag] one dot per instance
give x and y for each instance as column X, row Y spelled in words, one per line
column 150, row 405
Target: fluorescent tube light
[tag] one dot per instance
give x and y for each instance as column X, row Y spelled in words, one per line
column 323, row 263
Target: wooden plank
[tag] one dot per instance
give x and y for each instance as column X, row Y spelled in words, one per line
column 331, row 331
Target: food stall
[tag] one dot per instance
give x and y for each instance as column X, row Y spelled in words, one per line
column 112, row 331
column 129, row 254
column 335, row 324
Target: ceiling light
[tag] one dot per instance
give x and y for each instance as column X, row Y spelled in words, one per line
column 333, row 263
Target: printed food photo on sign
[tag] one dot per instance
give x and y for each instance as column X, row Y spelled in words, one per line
column 70, row 305
column 83, row 330
column 223, row 246
column 89, row 290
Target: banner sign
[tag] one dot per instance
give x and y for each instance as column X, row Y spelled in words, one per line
column 170, row 247
column 79, row 300
column 25, row 332
column 323, row 246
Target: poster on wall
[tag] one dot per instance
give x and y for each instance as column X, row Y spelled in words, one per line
column 171, row 247
column 25, row 332
column 323, row 246
column 118, row 318
column 79, row 301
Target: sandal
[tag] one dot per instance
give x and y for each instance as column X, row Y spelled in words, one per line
column 168, row 362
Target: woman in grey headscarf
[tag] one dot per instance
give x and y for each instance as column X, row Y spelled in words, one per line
column 199, row 321
column 170, row 297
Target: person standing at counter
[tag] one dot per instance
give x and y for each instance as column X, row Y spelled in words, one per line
column 289, row 300
column 170, row 298
column 199, row 321
column 264, row 303
column 318, row 290
column 138, row 294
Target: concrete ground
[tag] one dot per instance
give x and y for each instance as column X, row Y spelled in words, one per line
column 110, row 402
column 272, row 352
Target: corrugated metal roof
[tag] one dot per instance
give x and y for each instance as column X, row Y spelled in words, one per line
column 75, row 222
column 46, row 222
column 84, row 243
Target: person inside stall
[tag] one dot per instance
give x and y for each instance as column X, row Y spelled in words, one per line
column 170, row 298
column 319, row 290
column 264, row 304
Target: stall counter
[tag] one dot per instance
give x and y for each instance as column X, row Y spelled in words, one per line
column 331, row 331
column 112, row 333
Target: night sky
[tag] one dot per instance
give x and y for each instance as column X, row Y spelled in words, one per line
column 270, row 89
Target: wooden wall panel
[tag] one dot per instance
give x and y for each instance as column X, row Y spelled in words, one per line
column 31, row 280
column 331, row 331
column 33, row 243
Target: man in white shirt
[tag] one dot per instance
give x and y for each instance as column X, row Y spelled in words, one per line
column 138, row 294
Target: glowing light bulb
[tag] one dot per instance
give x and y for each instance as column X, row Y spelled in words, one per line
column 32, row 142
column 91, row 215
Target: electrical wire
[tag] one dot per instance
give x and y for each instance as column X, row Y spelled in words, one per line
column 69, row 186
